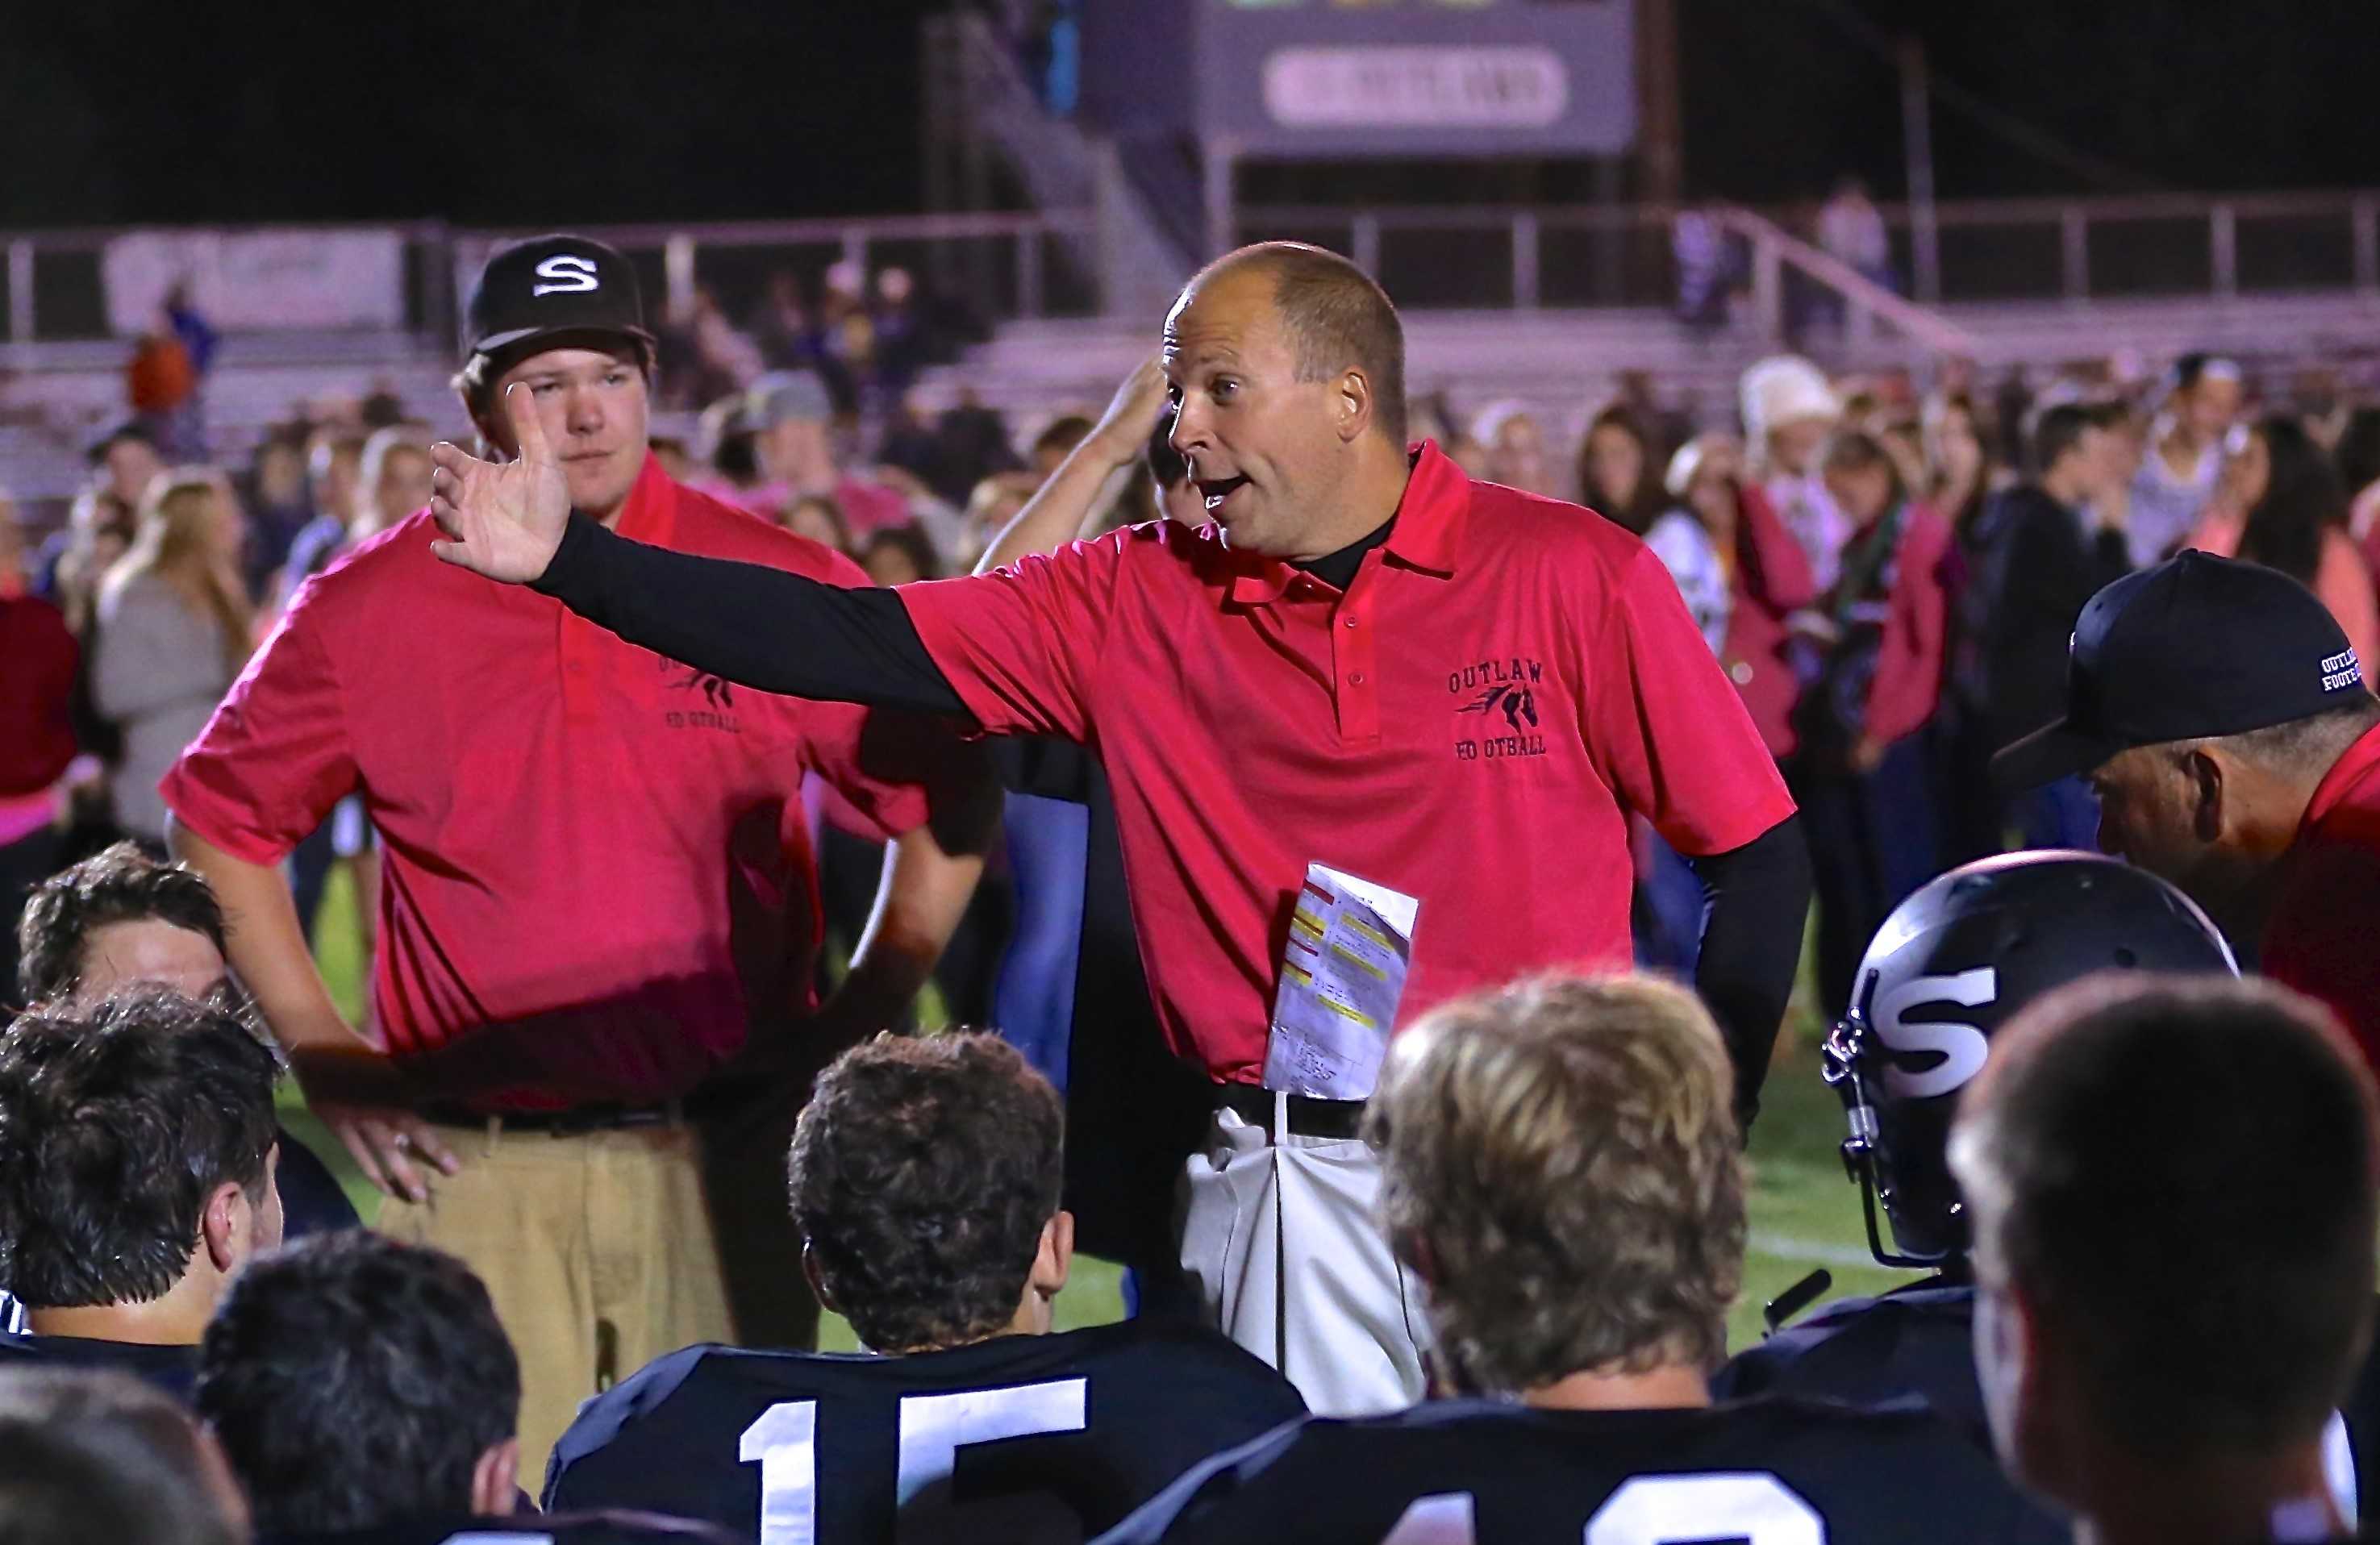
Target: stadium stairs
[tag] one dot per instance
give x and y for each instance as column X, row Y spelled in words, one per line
column 57, row 399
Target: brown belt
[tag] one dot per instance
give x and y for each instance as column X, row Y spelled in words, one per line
column 576, row 1121
column 1308, row 1117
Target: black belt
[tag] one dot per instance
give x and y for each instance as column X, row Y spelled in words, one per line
column 1308, row 1117
column 573, row 1122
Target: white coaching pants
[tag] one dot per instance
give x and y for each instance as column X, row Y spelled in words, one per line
column 1283, row 1241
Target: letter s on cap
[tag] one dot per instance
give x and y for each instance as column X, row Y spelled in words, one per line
column 564, row 275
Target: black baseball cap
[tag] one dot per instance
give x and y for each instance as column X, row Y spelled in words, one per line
column 552, row 284
column 2196, row 646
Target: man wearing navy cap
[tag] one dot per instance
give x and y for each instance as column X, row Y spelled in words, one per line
column 2226, row 726
column 551, row 991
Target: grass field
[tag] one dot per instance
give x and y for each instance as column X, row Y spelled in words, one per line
column 1805, row 1214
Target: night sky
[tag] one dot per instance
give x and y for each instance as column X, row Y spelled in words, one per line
column 532, row 114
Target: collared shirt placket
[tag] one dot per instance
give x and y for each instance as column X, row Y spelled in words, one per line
column 1356, row 681
column 578, row 650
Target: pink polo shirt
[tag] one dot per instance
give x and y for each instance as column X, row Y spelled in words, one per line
column 1470, row 722
column 597, row 874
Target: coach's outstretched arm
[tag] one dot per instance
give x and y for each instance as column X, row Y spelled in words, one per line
column 755, row 625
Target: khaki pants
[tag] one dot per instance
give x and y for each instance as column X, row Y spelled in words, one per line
column 597, row 1247
column 1281, row 1236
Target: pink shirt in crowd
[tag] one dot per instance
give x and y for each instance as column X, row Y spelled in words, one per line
column 1909, row 669
column 866, row 507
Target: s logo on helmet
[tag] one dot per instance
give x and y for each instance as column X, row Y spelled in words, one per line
column 1962, row 1047
column 564, row 275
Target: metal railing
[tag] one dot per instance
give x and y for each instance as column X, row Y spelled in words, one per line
column 2078, row 249
column 1865, row 301
column 1523, row 257
column 53, row 291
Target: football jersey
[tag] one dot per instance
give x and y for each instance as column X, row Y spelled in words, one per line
column 524, row 1528
column 1919, row 1341
column 1021, row 1436
column 1764, row 1472
column 171, row 1368
column 1916, row 1340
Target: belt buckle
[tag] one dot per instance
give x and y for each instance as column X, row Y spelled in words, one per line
column 582, row 1120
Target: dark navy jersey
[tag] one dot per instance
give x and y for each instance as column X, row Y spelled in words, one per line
column 1766, row 1472
column 1022, row 1437
column 1919, row 1341
column 525, row 1528
column 1916, row 1340
column 171, row 1368
column 312, row 1199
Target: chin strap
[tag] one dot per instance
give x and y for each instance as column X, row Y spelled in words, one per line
column 1844, row 1044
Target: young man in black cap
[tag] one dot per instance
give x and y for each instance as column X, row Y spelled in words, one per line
column 2226, row 726
column 548, row 992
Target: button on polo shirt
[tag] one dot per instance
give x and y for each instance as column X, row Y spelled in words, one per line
column 1470, row 722
column 597, row 874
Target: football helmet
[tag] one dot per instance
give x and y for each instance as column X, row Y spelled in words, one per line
column 1953, row 963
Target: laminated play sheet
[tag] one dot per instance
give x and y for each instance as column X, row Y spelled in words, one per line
column 1342, row 973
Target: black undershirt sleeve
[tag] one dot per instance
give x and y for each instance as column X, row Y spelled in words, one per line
column 756, row 626
column 1755, row 900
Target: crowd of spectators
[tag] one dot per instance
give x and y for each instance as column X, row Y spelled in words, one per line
column 1886, row 573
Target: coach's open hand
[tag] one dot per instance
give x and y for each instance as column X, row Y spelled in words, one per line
column 503, row 519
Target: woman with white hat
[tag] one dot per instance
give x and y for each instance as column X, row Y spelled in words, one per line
column 1788, row 410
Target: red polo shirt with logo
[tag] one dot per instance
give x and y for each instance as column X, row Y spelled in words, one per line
column 1505, row 678
column 616, row 936
column 2322, row 935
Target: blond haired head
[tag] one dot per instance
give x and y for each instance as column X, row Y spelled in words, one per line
column 1562, row 1168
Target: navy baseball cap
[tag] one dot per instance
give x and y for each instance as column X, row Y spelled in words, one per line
column 554, row 284
column 2197, row 646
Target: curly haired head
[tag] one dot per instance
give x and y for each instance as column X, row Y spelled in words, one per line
column 1562, row 1167
column 922, row 1171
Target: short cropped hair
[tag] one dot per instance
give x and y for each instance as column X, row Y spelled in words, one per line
column 120, row 885
column 2308, row 747
column 2182, row 1174
column 922, row 1172
column 95, row 454
column 355, row 1381
column 2058, row 429
column 1560, row 1166
column 1062, row 434
column 1336, row 316
column 129, row 1463
column 116, row 1125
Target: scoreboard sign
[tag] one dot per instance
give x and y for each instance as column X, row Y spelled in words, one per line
column 1330, row 78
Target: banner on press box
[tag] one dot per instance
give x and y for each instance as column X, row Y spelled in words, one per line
column 259, row 280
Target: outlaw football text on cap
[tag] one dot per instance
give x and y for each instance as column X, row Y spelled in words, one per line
column 552, row 284
column 2196, row 646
